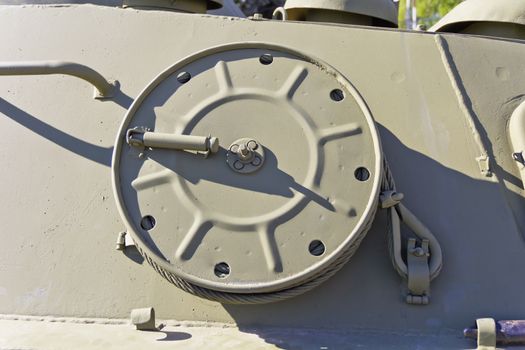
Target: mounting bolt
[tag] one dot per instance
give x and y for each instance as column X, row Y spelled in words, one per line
column 238, row 165
column 253, row 145
column 244, row 152
column 418, row 252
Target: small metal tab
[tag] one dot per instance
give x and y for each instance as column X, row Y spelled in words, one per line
column 144, row 319
column 484, row 165
column 486, row 334
column 418, row 272
column 121, row 241
column 257, row 17
column 280, row 14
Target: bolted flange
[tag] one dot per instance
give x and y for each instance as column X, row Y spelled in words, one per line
column 245, row 156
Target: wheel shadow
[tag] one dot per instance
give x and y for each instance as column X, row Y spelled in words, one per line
column 368, row 292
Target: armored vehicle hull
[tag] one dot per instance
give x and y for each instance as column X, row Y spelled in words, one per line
column 437, row 106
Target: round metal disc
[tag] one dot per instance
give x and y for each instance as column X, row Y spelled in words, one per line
column 249, row 232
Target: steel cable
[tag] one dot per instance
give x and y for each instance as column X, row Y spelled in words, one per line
column 387, row 184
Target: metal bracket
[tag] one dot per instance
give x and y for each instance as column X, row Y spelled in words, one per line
column 484, row 165
column 104, row 95
column 144, row 319
column 280, row 14
column 490, row 333
column 486, row 333
column 388, row 199
column 123, row 241
column 418, row 272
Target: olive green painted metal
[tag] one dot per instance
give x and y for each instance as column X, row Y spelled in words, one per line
column 245, row 155
column 502, row 18
column 372, row 12
column 294, row 190
column 445, row 110
column 486, row 334
column 142, row 138
column 517, row 138
column 143, row 319
column 215, row 7
column 192, row 6
column 103, row 88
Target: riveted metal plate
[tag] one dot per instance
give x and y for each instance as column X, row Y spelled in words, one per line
column 238, row 232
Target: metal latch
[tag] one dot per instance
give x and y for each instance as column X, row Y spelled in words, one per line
column 144, row 138
column 418, row 272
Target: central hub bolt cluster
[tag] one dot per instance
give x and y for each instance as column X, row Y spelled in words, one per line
column 244, row 152
column 245, row 156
